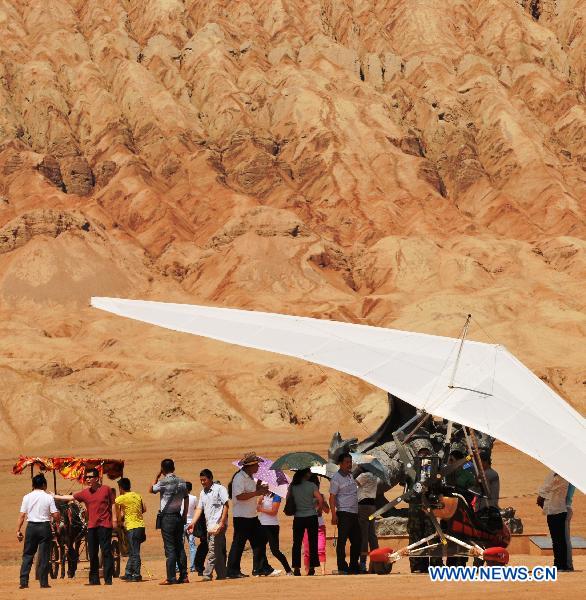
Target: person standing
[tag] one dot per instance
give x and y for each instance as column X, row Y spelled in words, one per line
column 99, row 503
column 308, row 502
column 367, row 490
column 570, row 512
column 321, row 533
column 38, row 508
column 201, row 533
column 553, row 499
column 190, row 536
column 172, row 517
column 344, row 507
column 268, row 511
column 131, row 509
column 244, row 493
column 213, row 503
column 492, row 481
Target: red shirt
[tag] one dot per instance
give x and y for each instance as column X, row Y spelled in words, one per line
column 98, row 504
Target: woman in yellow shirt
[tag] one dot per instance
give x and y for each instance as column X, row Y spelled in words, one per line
column 131, row 508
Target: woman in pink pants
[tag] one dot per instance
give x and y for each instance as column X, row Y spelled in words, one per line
column 321, row 535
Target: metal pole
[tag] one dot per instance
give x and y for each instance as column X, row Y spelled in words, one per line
column 462, row 338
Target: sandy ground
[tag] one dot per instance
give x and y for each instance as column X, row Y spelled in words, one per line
column 519, row 476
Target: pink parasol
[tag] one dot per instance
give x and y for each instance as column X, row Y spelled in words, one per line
column 277, row 481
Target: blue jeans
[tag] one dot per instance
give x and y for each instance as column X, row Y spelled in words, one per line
column 135, row 538
column 192, row 549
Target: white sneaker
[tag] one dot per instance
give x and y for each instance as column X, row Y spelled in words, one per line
column 275, row 573
column 289, row 574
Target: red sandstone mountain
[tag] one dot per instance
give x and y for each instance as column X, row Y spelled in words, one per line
column 397, row 163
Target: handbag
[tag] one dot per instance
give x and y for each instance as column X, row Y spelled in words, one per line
column 200, row 529
column 158, row 520
column 290, row 507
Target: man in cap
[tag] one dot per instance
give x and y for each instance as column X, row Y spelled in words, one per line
column 244, row 491
column 99, row 503
column 38, row 508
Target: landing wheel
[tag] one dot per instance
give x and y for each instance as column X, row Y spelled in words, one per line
column 54, row 560
column 116, row 557
column 379, row 568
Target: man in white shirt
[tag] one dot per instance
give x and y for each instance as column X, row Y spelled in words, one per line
column 553, row 499
column 213, row 504
column 38, row 507
column 190, row 536
column 244, row 493
column 344, row 507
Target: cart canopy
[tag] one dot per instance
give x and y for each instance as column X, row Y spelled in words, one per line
column 71, row 467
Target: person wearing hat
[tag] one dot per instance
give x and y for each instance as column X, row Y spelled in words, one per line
column 38, row 508
column 244, row 492
column 99, row 503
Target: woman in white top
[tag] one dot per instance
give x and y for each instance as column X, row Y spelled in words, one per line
column 268, row 510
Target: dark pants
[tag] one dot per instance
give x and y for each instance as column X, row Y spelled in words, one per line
column 172, row 531
column 367, row 530
column 201, row 553
column 300, row 524
column 348, row 529
column 135, row 539
column 100, row 538
column 38, row 536
column 557, row 530
column 420, row 526
column 272, row 535
column 248, row 530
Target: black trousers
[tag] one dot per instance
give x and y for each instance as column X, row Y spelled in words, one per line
column 172, row 532
column 248, row 530
column 100, row 538
column 300, row 524
column 200, row 554
column 557, row 530
column 348, row 529
column 272, row 535
column 37, row 537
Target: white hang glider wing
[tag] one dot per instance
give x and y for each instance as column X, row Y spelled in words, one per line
column 486, row 388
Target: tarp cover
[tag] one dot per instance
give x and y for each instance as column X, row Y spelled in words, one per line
column 490, row 389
